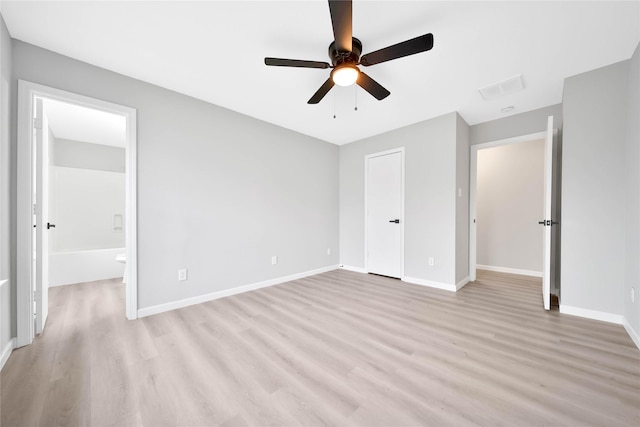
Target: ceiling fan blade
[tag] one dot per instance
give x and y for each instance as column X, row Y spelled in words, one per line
column 280, row 62
column 320, row 93
column 406, row 48
column 372, row 86
column 341, row 20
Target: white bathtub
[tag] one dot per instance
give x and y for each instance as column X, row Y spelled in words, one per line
column 66, row 268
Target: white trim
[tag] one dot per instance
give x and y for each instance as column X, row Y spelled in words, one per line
column 24, row 287
column 161, row 308
column 131, row 216
column 27, row 91
column 461, row 284
column 592, row 314
column 635, row 337
column 431, row 284
column 473, row 187
column 366, row 205
column 6, row 352
column 513, row 140
column 519, row 271
column 355, row 269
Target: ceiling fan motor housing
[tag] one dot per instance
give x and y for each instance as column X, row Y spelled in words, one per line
column 338, row 58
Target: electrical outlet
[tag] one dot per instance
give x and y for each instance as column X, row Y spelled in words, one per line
column 328, row 251
column 431, row 261
column 182, row 274
column 274, row 260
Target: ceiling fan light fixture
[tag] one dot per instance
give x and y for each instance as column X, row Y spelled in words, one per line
column 345, row 74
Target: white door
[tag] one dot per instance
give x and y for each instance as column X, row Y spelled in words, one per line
column 547, row 221
column 385, row 222
column 42, row 225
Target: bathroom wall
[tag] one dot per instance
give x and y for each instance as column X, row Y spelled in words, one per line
column 87, row 196
column 88, row 209
column 87, row 203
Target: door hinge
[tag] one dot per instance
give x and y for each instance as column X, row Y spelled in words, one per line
column 37, row 123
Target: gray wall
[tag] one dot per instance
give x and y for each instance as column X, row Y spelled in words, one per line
column 517, row 125
column 510, row 193
column 85, row 155
column 462, row 199
column 7, row 310
column 430, row 197
column 632, row 156
column 219, row 193
column 593, row 189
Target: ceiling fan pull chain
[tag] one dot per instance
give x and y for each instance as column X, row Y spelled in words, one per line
column 355, row 89
column 334, row 104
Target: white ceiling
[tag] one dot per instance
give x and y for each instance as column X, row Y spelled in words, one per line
column 214, row 51
column 68, row 121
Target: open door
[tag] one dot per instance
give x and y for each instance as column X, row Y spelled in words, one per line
column 548, row 222
column 41, row 210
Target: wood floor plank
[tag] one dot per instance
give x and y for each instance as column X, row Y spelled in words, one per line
column 339, row 348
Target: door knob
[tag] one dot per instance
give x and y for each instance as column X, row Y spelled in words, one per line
column 397, row 221
column 50, row 226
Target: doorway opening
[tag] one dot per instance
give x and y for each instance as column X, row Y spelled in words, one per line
column 514, row 209
column 76, row 198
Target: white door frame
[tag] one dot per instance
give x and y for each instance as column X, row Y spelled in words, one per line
column 27, row 92
column 366, row 206
column 473, row 187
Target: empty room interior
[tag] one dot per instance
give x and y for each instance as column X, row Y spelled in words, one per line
column 247, row 213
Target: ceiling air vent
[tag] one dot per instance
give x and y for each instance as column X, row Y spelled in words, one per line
column 511, row 85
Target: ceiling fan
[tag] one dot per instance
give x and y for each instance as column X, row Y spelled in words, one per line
column 345, row 52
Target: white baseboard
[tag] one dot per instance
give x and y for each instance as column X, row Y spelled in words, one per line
column 521, row 272
column 6, row 352
column 632, row 332
column 592, row 314
column 161, row 308
column 431, row 284
column 461, row 284
column 356, row 269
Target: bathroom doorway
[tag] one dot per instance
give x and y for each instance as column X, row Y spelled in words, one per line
column 86, row 193
column 76, row 198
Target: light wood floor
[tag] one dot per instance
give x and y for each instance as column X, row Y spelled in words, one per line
column 340, row 348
